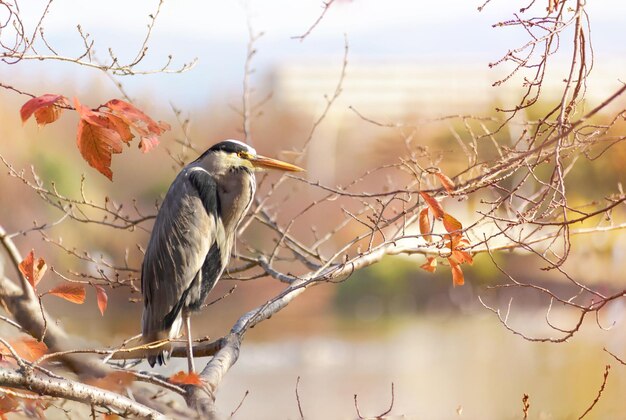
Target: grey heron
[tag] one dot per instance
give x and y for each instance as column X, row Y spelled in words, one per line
column 192, row 238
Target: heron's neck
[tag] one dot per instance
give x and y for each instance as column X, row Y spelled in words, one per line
column 235, row 187
column 236, row 191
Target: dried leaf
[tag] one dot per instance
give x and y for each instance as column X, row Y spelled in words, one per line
column 446, row 182
column 33, row 272
column 74, row 293
column 451, row 224
column 134, row 114
column 115, row 381
column 457, row 274
column 430, row 264
column 44, row 107
column 147, row 143
column 148, row 129
column 433, row 204
column 457, row 244
column 97, row 145
column 462, row 256
column 134, row 118
column 28, row 348
column 184, row 378
column 98, row 137
column 8, row 404
column 164, row 126
column 102, row 298
column 120, row 126
column 424, row 222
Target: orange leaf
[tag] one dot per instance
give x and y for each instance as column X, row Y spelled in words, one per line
column 447, row 183
column 462, row 256
column 97, row 145
column 457, row 273
column 28, row 348
column 451, row 224
column 33, row 272
column 184, row 378
column 424, row 222
column 102, row 298
column 430, row 264
column 74, row 293
column 8, row 404
column 44, row 107
column 434, row 205
column 119, row 125
column 457, row 243
column 100, row 135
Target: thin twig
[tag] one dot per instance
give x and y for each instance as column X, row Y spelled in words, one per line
column 607, row 368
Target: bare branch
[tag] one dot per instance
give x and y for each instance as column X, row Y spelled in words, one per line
column 600, row 391
column 326, row 6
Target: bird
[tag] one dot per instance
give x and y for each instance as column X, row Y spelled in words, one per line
column 192, row 238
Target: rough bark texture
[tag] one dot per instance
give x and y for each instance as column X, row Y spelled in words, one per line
column 76, row 391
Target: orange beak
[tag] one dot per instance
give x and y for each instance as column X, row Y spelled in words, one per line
column 265, row 162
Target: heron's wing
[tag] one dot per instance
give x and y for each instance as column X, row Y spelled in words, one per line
column 184, row 231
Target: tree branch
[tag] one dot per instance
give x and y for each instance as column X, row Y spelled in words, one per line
column 76, row 391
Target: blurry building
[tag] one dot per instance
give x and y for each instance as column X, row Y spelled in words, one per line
column 399, row 91
column 395, row 90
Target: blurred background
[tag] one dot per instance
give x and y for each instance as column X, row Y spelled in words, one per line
column 408, row 63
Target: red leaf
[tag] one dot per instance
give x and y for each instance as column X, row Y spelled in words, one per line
column 28, row 348
column 74, row 293
column 451, row 224
column 447, row 183
column 430, row 264
column 457, row 274
column 164, row 126
column 184, row 378
column 424, row 222
column 33, row 272
column 148, row 143
column 102, row 298
column 136, row 116
column 434, row 205
column 148, row 129
column 44, row 107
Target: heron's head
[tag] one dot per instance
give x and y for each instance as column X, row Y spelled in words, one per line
column 235, row 154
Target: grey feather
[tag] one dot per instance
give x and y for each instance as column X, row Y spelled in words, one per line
column 191, row 242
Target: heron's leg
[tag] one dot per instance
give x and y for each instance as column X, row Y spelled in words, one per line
column 187, row 320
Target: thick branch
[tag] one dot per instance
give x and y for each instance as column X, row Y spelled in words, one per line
column 202, row 399
column 76, row 391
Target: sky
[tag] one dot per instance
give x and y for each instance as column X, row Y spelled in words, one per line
column 216, row 33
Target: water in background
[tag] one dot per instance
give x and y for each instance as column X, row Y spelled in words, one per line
column 466, row 366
